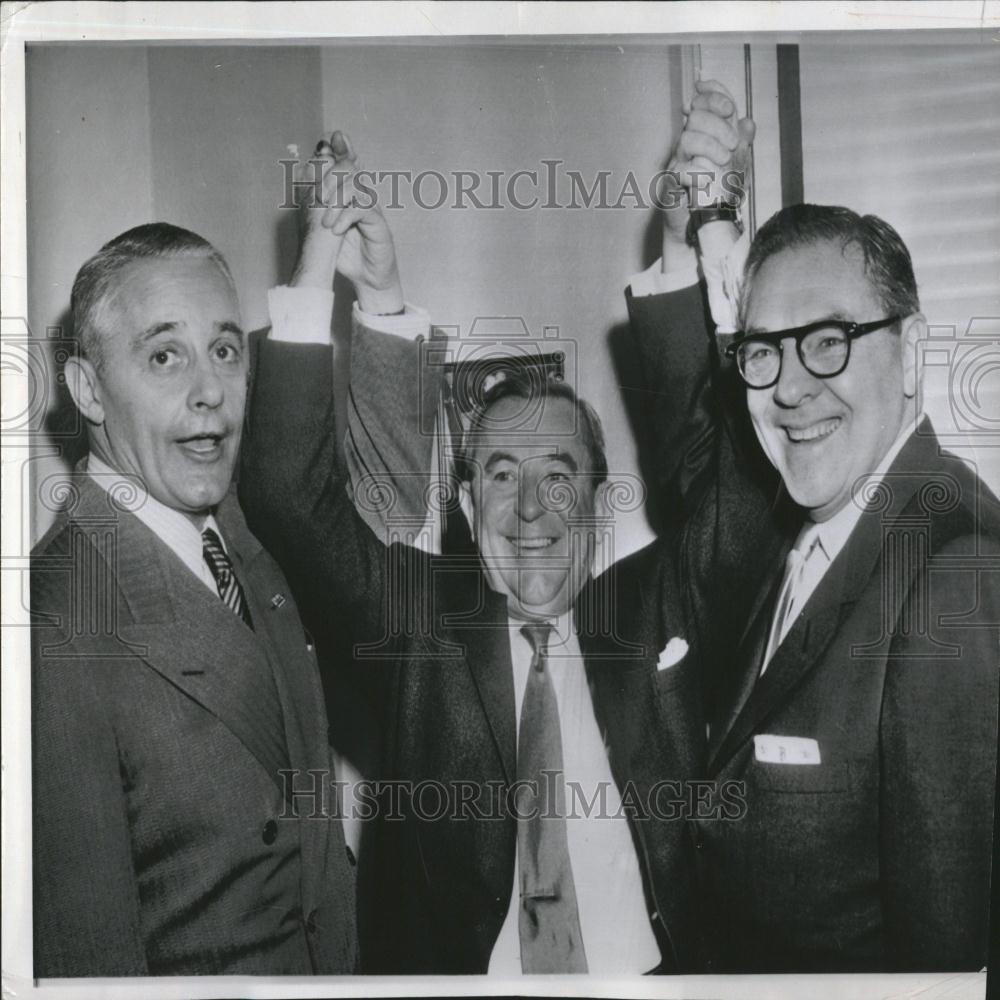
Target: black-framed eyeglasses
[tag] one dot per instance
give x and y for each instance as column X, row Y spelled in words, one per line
column 823, row 347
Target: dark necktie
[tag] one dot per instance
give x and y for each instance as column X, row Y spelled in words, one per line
column 548, row 920
column 225, row 577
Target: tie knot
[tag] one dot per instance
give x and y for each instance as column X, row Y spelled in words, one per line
column 537, row 634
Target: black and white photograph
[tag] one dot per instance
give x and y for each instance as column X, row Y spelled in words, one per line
column 501, row 499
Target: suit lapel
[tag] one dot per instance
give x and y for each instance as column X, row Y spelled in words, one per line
column 621, row 672
column 740, row 681
column 807, row 640
column 184, row 632
column 487, row 652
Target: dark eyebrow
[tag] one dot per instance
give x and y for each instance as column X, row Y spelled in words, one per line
column 152, row 331
column 565, row 458
column 168, row 326
column 230, row 327
column 497, row 457
column 837, row 314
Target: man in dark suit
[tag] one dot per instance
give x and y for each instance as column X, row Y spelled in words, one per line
column 858, row 699
column 491, row 676
column 173, row 690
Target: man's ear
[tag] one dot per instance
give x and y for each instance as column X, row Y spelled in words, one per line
column 85, row 388
column 602, row 504
column 912, row 331
column 468, row 508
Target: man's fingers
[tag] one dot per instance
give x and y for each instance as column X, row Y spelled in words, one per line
column 746, row 129
column 711, row 124
column 343, row 151
column 713, row 87
column 341, row 221
column 717, row 104
column 700, row 144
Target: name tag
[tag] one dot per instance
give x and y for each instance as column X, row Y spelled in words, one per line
column 786, row 749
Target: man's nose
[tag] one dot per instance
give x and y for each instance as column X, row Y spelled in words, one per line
column 795, row 382
column 207, row 388
column 529, row 500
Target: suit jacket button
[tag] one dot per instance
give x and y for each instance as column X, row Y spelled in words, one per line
column 311, row 922
column 351, row 859
column 270, row 834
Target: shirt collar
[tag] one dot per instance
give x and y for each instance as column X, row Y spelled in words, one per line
column 834, row 532
column 176, row 530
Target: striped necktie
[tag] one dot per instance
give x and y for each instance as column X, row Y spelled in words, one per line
column 225, row 578
column 548, row 919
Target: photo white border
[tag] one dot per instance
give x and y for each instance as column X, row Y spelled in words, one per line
column 23, row 22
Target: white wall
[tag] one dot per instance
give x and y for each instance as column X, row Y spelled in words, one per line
column 911, row 132
column 508, row 107
column 193, row 135
column 119, row 135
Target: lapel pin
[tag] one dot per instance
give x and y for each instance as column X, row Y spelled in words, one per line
column 277, row 600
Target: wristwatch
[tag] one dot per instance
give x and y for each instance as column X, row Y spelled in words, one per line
column 721, row 211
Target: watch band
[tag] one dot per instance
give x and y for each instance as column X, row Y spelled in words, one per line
column 720, row 212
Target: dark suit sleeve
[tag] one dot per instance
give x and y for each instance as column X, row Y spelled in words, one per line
column 715, row 486
column 939, row 738
column 86, row 904
column 295, row 492
column 675, row 348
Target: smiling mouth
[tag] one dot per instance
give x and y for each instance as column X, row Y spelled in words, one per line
column 531, row 544
column 202, row 446
column 814, row 432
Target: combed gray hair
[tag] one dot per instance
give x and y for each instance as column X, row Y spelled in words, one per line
column 95, row 280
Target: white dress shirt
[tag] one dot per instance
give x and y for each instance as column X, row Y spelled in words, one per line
column 176, row 530
column 614, row 921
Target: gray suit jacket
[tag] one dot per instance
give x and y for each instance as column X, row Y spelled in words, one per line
column 164, row 842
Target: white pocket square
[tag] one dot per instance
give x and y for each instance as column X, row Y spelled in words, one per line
column 672, row 654
column 786, row 749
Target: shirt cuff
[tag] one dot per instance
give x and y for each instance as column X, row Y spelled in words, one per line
column 300, row 315
column 410, row 324
column 723, row 280
column 681, row 271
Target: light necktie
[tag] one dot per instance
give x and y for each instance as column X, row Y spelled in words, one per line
column 788, row 606
column 548, row 920
column 225, row 577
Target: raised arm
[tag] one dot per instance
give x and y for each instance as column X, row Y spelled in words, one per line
column 673, row 315
column 713, row 481
column 293, row 484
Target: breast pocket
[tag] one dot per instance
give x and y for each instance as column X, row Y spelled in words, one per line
column 802, row 778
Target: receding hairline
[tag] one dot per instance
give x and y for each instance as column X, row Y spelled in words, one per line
column 102, row 325
column 586, row 431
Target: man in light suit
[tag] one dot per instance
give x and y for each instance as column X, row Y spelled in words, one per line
column 857, row 695
column 486, row 672
column 173, row 689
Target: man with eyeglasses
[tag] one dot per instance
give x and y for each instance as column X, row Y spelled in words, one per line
column 853, row 606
